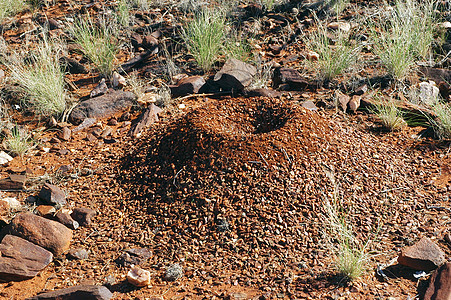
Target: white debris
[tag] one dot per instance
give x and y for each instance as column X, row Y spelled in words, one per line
column 5, row 158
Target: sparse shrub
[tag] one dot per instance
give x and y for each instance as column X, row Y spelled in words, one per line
column 204, row 36
column 41, row 77
column 390, row 116
column 263, row 76
column 337, row 6
column 333, row 59
column 123, row 12
column 98, row 43
column 10, row 7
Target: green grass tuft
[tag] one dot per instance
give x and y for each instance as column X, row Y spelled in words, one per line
column 98, row 43
column 204, row 36
column 41, row 77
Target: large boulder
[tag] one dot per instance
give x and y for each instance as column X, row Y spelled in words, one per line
column 48, row 234
column 102, row 106
column 21, row 259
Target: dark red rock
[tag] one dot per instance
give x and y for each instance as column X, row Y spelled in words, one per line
column 65, row 134
column 187, row 86
column 424, row 255
column 103, row 106
column 134, row 256
column 85, row 292
column 263, row 93
column 48, row 234
column 45, row 211
column 66, row 220
column 235, row 75
column 440, row 284
column 21, row 259
column 13, row 182
column 147, row 118
column 53, row 195
column 290, row 77
column 83, row 215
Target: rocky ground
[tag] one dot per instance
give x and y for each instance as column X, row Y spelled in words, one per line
column 221, row 191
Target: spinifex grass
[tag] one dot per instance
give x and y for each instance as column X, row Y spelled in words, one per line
column 41, row 77
column 19, row 141
column 352, row 254
column 442, row 123
column 333, row 59
column 204, row 36
column 10, row 7
column 390, row 115
column 404, row 35
column 98, row 43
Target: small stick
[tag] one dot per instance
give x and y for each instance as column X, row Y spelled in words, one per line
column 263, row 159
column 175, row 178
column 436, row 207
column 286, row 155
column 394, row 189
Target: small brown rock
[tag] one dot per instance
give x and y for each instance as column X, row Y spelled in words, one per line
column 343, row 100
column 354, row 103
column 46, row 211
column 65, row 134
column 79, row 253
column 53, row 195
column 65, row 219
column 424, row 255
column 83, row 215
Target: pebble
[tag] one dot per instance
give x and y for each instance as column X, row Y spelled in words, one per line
column 138, row 277
column 173, row 272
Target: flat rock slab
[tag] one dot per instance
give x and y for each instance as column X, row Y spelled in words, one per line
column 235, row 75
column 187, row 86
column 289, row 77
column 21, row 259
column 134, row 256
column 13, row 182
column 440, row 284
column 424, row 255
column 85, row 292
column 48, row 234
column 102, row 106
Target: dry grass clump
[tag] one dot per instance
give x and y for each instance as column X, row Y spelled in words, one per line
column 41, row 77
column 352, row 254
column 390, row 115
column 442, row 123
column 9, row 8
column 98, row 42
column 403, row 35
column 333, row 59
column 19, row 141
column 204, row 36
